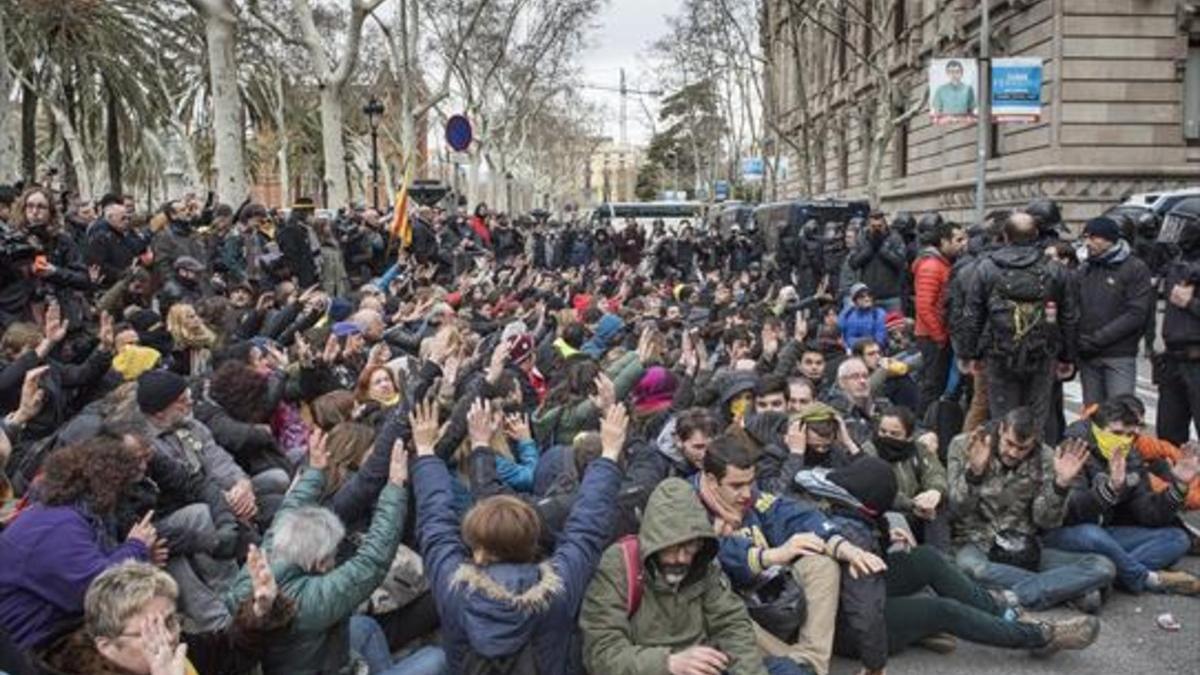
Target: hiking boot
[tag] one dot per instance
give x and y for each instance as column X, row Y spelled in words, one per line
column 1088, row 603
column 940, row 643
column 1180, row 583
column 1074, row 633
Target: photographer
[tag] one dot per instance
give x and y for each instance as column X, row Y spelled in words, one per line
column 38, row 262
column 1177, row 370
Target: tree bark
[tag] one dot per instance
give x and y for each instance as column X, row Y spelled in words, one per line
column 231, row 184
column 73, row 146
column 8, row 140
column 113, row 143
column 78, row 158
column 277, row 110
column 29, row 106
column 333, row 147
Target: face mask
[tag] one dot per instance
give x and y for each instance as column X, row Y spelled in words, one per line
column 1108, row 442
column 894, row 449
column 673, row 574
column 739, row 407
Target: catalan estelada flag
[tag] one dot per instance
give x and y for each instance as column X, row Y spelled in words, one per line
column 401, row 229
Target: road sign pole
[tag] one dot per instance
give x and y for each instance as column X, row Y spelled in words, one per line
column 985, row 110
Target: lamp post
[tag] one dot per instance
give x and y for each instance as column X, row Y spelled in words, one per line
column 374, row 110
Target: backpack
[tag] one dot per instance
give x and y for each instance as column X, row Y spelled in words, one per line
column 633, row 573
column 1022, row 331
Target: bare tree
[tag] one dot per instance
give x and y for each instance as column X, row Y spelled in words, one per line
column 220, row 34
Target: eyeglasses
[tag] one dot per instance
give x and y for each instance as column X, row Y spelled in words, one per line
column 170, row 622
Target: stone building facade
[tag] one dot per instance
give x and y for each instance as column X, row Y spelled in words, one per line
column 1120, row 101
column 612, row 172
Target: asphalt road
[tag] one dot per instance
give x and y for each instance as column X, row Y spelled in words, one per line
column 1130, row 643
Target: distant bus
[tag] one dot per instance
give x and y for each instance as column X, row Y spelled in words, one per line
column 673, row 214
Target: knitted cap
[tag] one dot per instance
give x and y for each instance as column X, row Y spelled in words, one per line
column 158, row 389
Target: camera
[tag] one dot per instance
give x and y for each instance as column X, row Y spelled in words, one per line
column 16, row 249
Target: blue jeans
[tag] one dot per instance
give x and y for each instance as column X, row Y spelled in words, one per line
column 1136, row 551
column 1062, row 575
column 369, row 644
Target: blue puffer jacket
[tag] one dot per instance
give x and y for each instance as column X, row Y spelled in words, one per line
column 857, row 323
column 608, row 329
column 496, row 610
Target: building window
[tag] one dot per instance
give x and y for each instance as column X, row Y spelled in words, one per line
column 900, row 148
column 843, row 159
column 1191, row 95
column 842, row 40
column 868, row 143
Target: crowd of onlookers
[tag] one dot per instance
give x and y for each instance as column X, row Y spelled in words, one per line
column 238, row 438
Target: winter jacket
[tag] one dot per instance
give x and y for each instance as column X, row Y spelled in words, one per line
column 1181, row 326
column 317, row 642
column 857, row 323
column 113, row 251
column 172, row 243
column 1093, row 499
column 1024, row 498
column 19, row 290
column 701, row 610
column 61, row 383
column 334, row 279
column 193, row 445
column 978, row 337
column 1116, row 297
column 770, row 522
column 931, row 280
column 608, row 329
column 1160, row 456
column 496, row 610
column 559, row 424
column 915, row 474
column 881, row 260
column 48, row 556
column 298, row 245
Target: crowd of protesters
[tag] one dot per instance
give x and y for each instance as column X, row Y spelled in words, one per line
column 240, row 439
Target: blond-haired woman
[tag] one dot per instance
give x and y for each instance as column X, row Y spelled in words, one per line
column 193, row 340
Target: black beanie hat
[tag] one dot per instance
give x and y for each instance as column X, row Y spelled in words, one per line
column 1105, row 228
column 870, row 480
column 158, row 389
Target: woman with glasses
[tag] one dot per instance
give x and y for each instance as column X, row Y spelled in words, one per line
column 39, row 260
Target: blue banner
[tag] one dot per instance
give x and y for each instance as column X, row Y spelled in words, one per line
column 1017, row 89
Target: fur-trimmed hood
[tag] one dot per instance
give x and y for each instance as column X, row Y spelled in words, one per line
column 502, row 603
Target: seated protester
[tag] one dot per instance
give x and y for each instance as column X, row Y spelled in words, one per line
column 852, row 398
column 24, row 347
column 774, row 355
column 735, row 395
column 376, row 394
column 1160, row 455
column 574, row 403
column 813, row 437
column 499, row 606
column 812, row 368
column 193, row 341
column 861, row 318
column 889, row 377
column 52, row 550
column 957, row 606
column 759, row 531
column 1006, row 486
column 302, row 544
column 800, row 392
column 771, row 394
column 237, row 408
column 921, row 494
column 653, row 399
column 678, row 450
column 681, row 616
column 130, row 627
column 1113, row 510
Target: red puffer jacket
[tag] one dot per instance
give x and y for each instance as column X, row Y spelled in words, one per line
column 931, row 279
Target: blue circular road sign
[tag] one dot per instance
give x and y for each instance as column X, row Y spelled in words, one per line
column 458, row 133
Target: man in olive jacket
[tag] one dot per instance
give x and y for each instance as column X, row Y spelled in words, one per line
column 687, row 614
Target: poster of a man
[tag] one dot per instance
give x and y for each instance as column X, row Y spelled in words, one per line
column 953, row 85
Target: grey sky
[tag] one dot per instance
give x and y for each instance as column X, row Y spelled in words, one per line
column 627, row 27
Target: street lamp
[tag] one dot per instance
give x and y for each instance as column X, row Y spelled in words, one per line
column 374, row 110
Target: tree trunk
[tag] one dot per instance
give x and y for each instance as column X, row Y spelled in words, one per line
column 113, row 144
column 73, row 146
column 8, row 140
column 78, row 159
column 231, row 184
column 29, row 106
column 334, row 148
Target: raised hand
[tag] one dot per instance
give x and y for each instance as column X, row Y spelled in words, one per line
column 797, row 437
column 424, row 423
column 499, row 358
column 1070, row 457
column 106, row 332
column 144, row 531
column 318, row 455
column 517, row 427
column 979, row 451
column 163, row 655
column 55, row 327
column 1186, row 468
column 332, row 349
column 606, row 394
column 33, row 397
column 1116, row 470
column 613, row 427
column 263, row 580
column 398, row 468
column 482, row 423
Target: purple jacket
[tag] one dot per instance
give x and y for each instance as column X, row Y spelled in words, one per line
column 48, row 557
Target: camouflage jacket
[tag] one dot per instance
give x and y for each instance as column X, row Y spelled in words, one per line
column 1024, row 498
